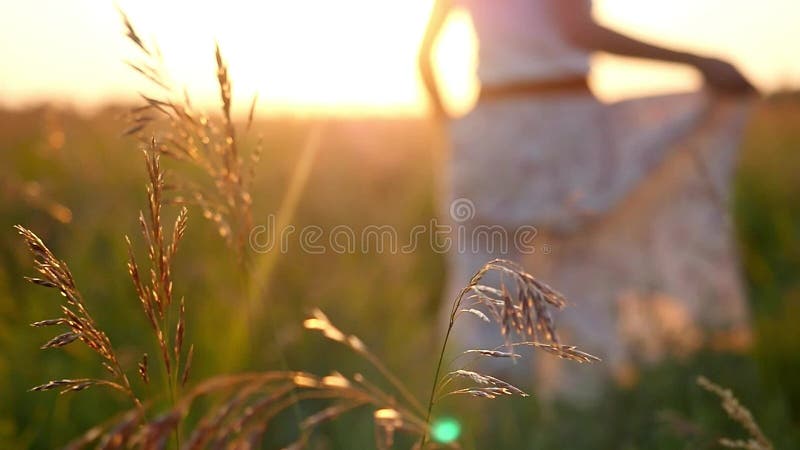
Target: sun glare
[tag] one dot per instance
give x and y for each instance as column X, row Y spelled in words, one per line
column 349, row 56
column 345, row 55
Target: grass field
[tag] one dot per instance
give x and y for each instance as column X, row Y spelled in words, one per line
column 366, row 171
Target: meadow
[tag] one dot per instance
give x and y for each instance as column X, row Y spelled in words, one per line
column 78, row 183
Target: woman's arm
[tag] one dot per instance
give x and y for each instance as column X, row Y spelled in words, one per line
column 425, row 61
column 576, row 22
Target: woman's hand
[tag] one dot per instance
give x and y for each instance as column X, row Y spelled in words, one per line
column 724, row 77
column 575, row 21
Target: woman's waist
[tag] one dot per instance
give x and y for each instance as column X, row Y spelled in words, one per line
column 534, row 88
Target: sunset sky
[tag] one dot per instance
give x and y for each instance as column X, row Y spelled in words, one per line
column 351, row 56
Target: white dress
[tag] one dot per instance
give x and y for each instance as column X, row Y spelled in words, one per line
column 629, row 201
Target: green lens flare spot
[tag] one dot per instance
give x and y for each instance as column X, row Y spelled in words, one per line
column 445, row 430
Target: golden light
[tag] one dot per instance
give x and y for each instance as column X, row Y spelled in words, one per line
column 353, row 56
column 349, row 56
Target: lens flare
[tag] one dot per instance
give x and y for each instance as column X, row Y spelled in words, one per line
column 445, row 430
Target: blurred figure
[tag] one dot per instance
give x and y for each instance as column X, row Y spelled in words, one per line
column 628, row 199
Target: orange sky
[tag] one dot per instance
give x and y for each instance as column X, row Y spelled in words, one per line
column 355, row 56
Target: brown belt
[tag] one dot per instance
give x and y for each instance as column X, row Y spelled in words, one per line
column 510, row 90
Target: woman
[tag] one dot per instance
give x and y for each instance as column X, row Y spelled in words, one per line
column 628, row 199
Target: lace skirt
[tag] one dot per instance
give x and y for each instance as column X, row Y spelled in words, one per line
column 630, row 206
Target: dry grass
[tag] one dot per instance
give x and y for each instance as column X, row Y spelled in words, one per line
column 205, row 142
column 155, row 296
column 242, row 407
column 54, row 274
column 741, row 415
column 211, row 143
column 520, row 307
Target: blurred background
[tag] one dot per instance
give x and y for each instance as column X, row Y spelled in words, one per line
column 68, row 174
